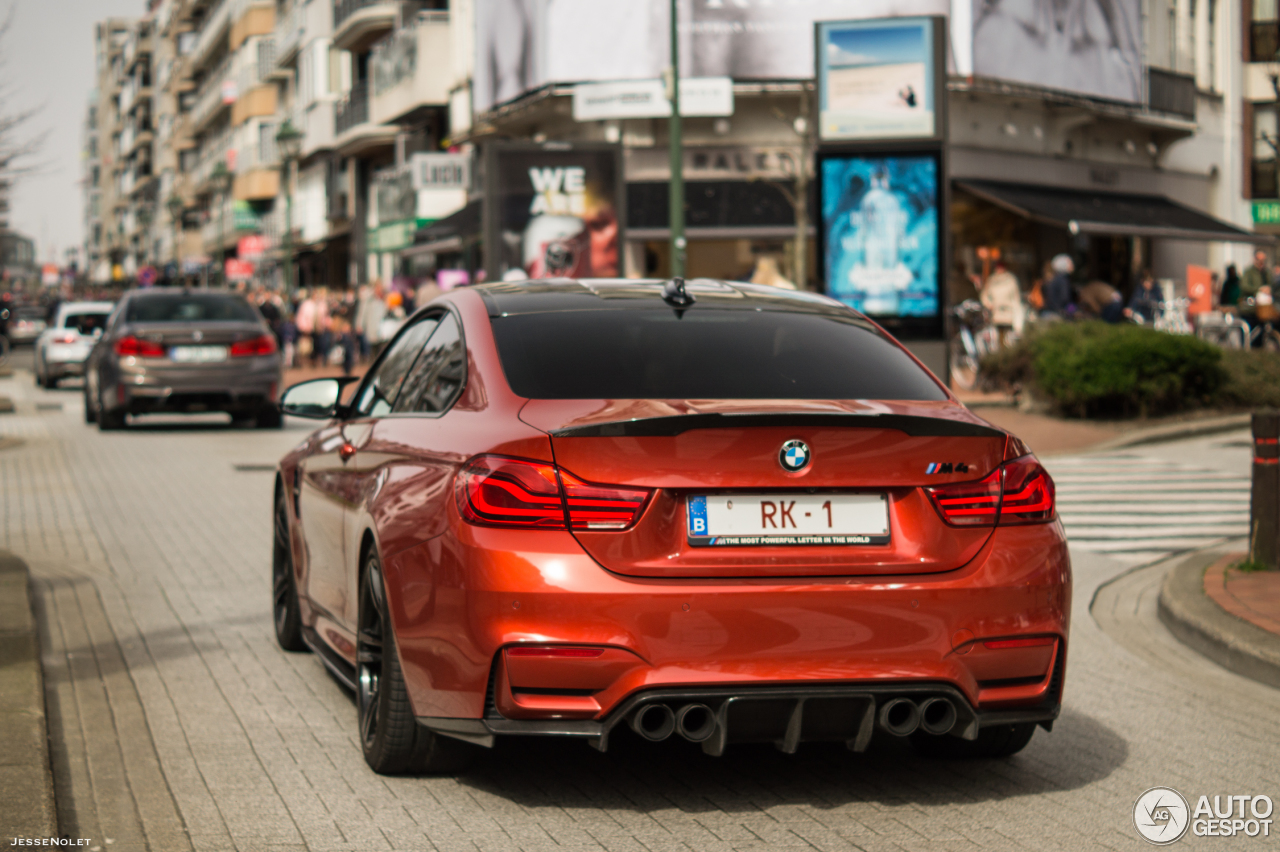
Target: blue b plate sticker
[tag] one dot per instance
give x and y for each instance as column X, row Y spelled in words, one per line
column 697, row 517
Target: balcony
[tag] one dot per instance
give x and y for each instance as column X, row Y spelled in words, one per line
column 213, row 32
column 288, row 36
column 216, row 93
column 1171, row 93
column 357, row 24
column 411, row 69
column 356, row 134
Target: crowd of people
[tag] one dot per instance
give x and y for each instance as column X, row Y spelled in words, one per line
column 317, row 327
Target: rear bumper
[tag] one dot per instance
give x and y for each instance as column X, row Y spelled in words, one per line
column 456, row 604
column 245, row 388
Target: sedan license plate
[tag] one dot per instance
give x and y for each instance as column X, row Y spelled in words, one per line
column 198, row 354
column 718, row 520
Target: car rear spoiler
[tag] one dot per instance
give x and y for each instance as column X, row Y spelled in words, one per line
column 665, row 427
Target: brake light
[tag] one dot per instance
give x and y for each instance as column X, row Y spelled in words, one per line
column 66, row 337
column 497, row 491
column 1033, row 642
column 1028, row 493
column 601, row 507
column 139, row 348
column 1017, row 492
column 264, row 345
column 969, row 504
column 554, row 651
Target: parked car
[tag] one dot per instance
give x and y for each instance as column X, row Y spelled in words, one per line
column 61, row 351
column 711, row 510
column 26, row 324
column 183, row 351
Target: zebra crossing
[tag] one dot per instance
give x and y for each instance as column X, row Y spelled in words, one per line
column 1139, row 509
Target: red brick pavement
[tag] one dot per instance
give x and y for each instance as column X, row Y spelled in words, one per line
column 1253, row 596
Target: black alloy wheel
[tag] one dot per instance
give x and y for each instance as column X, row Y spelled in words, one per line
column 993, row 741
column 284, row 589
column 392, row 740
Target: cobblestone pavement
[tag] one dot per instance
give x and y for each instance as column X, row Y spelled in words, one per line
column 176, row 723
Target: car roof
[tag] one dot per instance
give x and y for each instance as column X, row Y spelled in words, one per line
column 178, row 292
column 546, row 295
column 85, row 307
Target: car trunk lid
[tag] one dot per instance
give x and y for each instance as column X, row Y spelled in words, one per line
column 871, row 458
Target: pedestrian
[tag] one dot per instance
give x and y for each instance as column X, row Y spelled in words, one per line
column 1002, row 296
column 289, row 341
column 1230, row 295
column 1057, row 290
column 1144, row 304
column 768, row 274
column 369, row 320
column 1100, row 300
column 1254, row 279
column 426, row 291
column 313, row 324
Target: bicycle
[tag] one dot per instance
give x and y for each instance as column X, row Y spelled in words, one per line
column 1264, row 335
column 1223, row 329
column 975, row 338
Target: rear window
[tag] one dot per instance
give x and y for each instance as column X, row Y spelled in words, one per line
column 86, row 323
column 190, row 307
column 707, row 353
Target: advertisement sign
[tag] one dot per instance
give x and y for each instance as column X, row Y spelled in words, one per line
column 880, row 234
column 251, row 247
column 554, row 210
column 1089, row 46
column 50, row 275
column 524, row 44
column 239, row 270
column 441, row 171
column 699, row 96
column 877, row 79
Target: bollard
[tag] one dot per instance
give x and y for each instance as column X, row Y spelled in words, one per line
column 1264, row 503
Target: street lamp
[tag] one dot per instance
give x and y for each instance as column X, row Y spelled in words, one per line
column 289, row 144
column 176, row 206
column 220, row 182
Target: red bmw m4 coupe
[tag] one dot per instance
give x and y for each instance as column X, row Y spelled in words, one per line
column 707, row 510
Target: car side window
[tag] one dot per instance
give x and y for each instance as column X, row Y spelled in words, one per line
column 436, row 380
column 378, row 396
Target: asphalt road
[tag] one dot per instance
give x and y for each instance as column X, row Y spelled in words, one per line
column 176, row 722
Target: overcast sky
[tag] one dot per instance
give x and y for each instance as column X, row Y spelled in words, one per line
column 48, row 62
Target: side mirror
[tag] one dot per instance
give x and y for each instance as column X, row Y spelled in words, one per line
column 317, row 399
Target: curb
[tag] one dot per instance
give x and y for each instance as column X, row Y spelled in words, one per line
column 26, row 779
column 1176, row 432
column 1201, row 624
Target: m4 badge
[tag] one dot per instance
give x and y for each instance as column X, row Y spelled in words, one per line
column 947, row 467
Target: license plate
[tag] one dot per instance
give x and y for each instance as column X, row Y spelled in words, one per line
column 719, row 520
column 198, row 354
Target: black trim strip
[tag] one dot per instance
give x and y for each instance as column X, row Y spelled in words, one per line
column 666, row 427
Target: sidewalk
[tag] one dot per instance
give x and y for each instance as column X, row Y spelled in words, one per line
column 1230, row 616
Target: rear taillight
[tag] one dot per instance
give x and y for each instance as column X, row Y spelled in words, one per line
column 1017, row 492
column 264, row 345
column 139, row 348
column 969, row 504
column 1028, row 493
column 601, row 507
column 66, row 337
column 503, row 492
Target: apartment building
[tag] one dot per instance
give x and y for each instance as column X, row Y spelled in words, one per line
column 108, row 177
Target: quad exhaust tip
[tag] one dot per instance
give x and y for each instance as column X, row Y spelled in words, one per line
column 654, row 722
column 900, row 717
column 938, row 716
column 696, row 722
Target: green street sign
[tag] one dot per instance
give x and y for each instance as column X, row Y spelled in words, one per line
column 1266, row 212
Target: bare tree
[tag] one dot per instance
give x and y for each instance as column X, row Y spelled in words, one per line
column 18, row 144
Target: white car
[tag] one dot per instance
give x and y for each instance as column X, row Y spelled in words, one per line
column 61, row 350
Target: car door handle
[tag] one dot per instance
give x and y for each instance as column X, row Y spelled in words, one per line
column 346, row 451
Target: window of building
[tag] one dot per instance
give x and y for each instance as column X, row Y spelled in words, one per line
column 1264, row 32
column 1265, row 146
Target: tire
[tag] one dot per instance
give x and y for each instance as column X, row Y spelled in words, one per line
column 284, row 587
column 90, row 415
column 392, row 740
column 110, row 421
column 1271, row 341
column 269, row 417
column 964, row 367
column 995, row 741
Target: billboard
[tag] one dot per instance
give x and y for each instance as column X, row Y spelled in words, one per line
column 554, row 210
column 524, row 44
column 1088, row 46
column 877, row 79
column 881, row 238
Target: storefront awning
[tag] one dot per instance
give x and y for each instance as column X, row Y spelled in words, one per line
column 449, row 233
column 1109, row 213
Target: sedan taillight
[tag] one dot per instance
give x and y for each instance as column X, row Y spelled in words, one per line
column 262, row 345
column 138, row 347
column 1017, row 492
column 496, row 491
column 66, row 337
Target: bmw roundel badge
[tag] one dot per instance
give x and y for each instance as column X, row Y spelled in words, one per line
column 794, row 455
